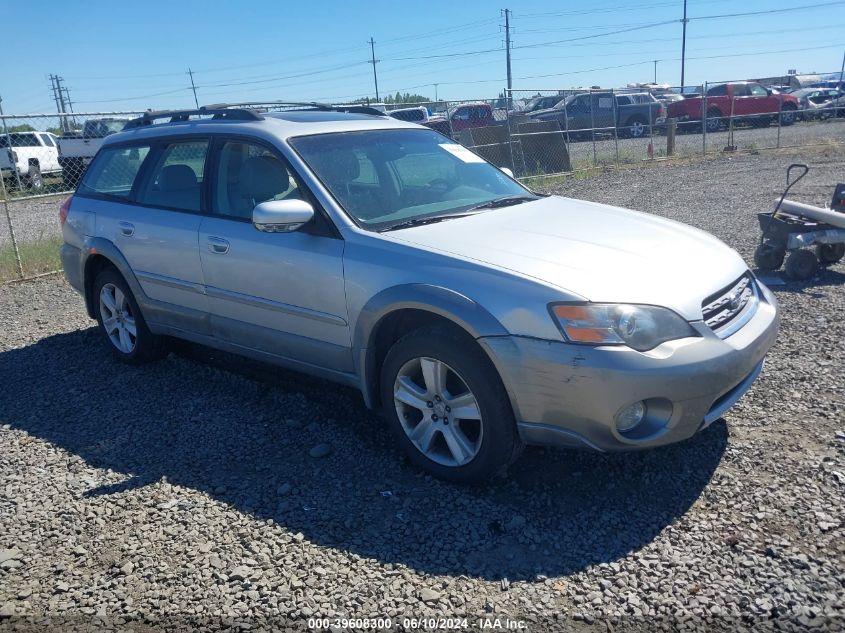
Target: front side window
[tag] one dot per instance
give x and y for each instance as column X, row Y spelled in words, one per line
column 113, row 171
column 248, row 174
column 19, row 140
column 176, row 178
column 410, row 174
column 48, row 140
column 758, row 91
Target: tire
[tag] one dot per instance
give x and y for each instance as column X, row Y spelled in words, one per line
column 34, row 180
column 830, row 253
column 714, row 121
column 137, row 349
column 635, row 127
column 802, row 265
column 769, row 256
column 788, row 115
column 487, row 439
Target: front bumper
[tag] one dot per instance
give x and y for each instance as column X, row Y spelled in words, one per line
column 569, row 395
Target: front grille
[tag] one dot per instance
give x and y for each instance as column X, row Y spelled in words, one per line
column 728, row 310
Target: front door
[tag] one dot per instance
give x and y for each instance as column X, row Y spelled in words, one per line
column 279, row 293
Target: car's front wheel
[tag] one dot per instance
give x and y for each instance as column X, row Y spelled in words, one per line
column 447, row 406
column 121, row 320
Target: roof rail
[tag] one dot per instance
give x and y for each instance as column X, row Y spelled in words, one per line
column 231, row 114
column 298, row 106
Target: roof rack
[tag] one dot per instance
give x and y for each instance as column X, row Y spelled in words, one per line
column 299, row 106
column 216, row 112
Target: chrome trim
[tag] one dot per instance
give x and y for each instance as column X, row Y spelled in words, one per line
column 735, row 394
column 171, row 282
column 277, row 306
column 727, row 321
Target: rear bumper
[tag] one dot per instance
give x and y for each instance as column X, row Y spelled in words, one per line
column 71, row 258
column 569, row 395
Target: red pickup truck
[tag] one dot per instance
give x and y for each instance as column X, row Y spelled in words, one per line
column 744, row 101
column 462, row 117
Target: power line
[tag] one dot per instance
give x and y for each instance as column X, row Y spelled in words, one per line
column 768, row 11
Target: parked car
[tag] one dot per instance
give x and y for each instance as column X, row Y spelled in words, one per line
column 744, row 102
column 27, row 157
column 418, row 114
column 541, row 103
column 811, row 102
column 477, row 315
column 77, row 150
column 630, row 114
column 462, row 117
column 836, row 107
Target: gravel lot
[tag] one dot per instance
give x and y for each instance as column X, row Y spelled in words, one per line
column 183, row 493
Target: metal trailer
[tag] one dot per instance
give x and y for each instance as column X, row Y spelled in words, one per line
column 793, row 227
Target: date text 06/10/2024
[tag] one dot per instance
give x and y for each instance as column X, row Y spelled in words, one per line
column 417, row 624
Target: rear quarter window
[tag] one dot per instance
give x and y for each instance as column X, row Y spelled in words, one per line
column 114, row 171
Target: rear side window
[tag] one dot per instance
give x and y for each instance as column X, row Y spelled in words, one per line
column 113, row 171
column 175, row 181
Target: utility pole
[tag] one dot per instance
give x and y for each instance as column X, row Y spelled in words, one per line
column 508, row 55
column 842, row 71
column 374, row 62
column 194, row 88
column 435, row 92
column 655, row 71
column 59, row 96
column 72, row 121
column 684, row 45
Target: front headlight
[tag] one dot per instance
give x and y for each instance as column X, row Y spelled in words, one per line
column 639, row 327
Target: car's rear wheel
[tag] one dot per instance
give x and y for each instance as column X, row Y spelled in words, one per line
column 34, row 179
column 121, row 320
column 788, row 115
column 447, row 406
column 636, row 128
column 714, row 121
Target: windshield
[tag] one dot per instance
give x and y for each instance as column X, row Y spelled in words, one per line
column 386, row 177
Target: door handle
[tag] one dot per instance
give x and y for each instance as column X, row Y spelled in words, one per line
column 218, row 245
column 127, row 228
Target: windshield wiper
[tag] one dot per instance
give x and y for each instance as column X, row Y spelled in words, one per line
column 430, row 219
column 505, row 201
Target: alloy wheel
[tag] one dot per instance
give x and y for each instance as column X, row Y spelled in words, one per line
column 117, row 317
column 438, row 412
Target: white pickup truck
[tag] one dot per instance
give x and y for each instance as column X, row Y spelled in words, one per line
column 77, row 150
column 26, row 156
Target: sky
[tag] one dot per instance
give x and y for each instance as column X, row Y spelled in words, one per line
column 124, row 56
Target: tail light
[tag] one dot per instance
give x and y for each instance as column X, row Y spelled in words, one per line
column 64, row 210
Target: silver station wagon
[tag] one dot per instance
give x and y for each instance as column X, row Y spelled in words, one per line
column 477, row 315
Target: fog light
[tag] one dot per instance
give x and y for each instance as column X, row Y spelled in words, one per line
column 630, row 416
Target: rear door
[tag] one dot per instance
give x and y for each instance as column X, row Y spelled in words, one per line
column 148, row 202
column 278, row 293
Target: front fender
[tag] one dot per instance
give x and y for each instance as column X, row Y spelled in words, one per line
column 443, row 302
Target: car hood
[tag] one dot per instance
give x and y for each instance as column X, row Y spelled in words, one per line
column 598, row 252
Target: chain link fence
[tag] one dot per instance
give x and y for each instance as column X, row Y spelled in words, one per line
column 534, row 133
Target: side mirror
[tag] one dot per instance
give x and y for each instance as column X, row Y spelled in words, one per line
column 507, row 170
column 281, row 216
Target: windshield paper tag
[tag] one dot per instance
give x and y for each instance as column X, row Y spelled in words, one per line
column 459, row 151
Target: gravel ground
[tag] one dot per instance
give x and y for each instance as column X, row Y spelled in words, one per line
column 184, row 493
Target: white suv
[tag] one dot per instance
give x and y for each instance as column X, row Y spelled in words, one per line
column 26, row 156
